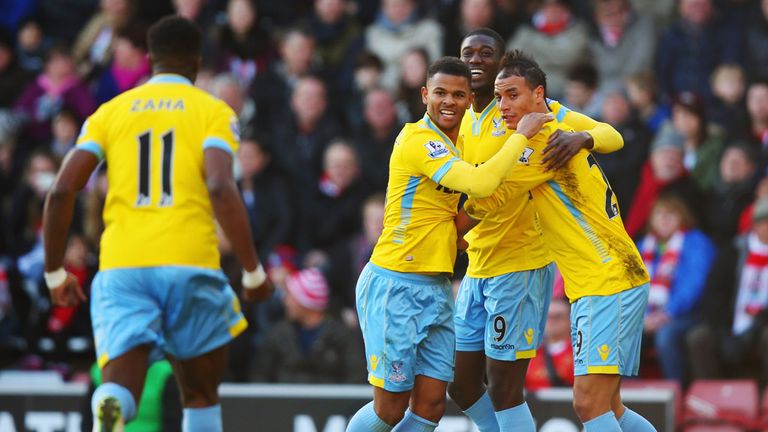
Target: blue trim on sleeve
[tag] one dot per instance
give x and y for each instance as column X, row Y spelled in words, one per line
column 440, row 173
column 169, row 79
column 93, row 147
column 600, row 248
column 406, row 206
column 213, row 142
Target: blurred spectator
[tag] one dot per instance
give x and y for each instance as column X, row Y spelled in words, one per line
column 13, row 78
column 623, row 167
column 757, row 42
column 678, row 258
column 310, row 346
column 93, row 49
column 266, row 197
column 332, row 209
column 199, row 11
column 662, row 11
column 303, row 135
column 231, row 90
column 558, row 39
column 410, row 104
column 375, row 138
column 348, row 257
column 732, row 192
column 703, row 143
column 745, row 220
column 691, row 49
column 338, row 38
column 55, row 88
column 469, row 15
column 553, row 364
column 581, row 91
column 643, row 96
column 239, row 45
column 65, row 129
column 284, row 13
column 129, row 66
column 664, row 172
column 397, row 30
column 733, row 332
column 728, row 109
column 622, row 44
column 64, row 19
column 273, row 89
column 367, row 76
column 757, row 106
column 31, row 46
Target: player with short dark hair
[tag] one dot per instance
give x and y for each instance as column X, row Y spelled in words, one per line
column 168, row 147
column 605, row 278
column 404, row 296
column 509, row 269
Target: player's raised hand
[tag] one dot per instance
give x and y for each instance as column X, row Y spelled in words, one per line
column 562, row 146
column 260, row 293
column 69, row 293
column 531, row 123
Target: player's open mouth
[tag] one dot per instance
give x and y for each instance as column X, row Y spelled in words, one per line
column 476, row 73
column 447, row 113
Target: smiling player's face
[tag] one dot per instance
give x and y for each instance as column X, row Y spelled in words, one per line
column 447, row 98
column 480, row 54
column 516, row 99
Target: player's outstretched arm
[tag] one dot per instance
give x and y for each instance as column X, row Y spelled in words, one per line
column 590, row 135
column 482, row 180
column 57, row 216
column 230, row 212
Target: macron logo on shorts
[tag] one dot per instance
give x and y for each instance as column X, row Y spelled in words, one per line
column 604, row 351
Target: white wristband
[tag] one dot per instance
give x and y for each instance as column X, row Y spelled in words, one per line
column 254, row 279
column 55, row 278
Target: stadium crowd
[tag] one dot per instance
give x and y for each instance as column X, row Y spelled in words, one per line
column 322, row 88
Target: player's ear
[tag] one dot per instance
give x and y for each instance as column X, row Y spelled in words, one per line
column 539, row 93
column 424, row 93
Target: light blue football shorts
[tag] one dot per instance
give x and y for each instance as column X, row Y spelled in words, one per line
column 606, row 332
column 182, row 311
column 407, row 324
column 504, row 315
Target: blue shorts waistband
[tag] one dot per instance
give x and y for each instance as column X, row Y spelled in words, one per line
column 417, row 278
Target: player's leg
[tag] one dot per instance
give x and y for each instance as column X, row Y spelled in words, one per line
column 199, row 378
column 427, row 406
column 126, row 326
column 517, row 305
column 197, row 348
column 606, row 334
column 468, row 387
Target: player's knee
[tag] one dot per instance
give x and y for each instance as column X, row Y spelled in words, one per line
column 429, row 409
column 391, row 414
column 462, row 396
column 199, row 397
column 587, row 406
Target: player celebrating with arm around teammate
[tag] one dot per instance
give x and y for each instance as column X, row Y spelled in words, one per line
column 605, row 278
column 168, row 147
column 404, row 298
column 503, row 300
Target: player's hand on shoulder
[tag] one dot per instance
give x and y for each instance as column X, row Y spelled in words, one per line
column 562, row 146
column 260, row 293
column 532, row 123
column 69, row 293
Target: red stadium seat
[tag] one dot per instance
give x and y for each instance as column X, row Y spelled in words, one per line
column 722, row 403
column 651, row 384
column 713, row 428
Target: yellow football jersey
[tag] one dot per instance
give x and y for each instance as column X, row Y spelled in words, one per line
column 157, row 210
column 419, row 233
column 509, row 239
column 506, row 240
column 579, row 217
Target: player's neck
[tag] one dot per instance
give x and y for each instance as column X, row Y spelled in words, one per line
column 482, row 99
column 188, row 74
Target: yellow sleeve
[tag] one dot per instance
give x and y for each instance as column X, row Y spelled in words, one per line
column 526, row 174
column 605, row 138
column 481, row 181
column 224, row 130
column 93, row 137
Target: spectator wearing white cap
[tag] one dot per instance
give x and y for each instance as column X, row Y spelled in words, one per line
column 309, row 345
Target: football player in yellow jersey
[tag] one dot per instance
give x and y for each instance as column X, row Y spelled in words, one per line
column 605, row 278
column 168, row 147
column 404, row 298
column 503, row 300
